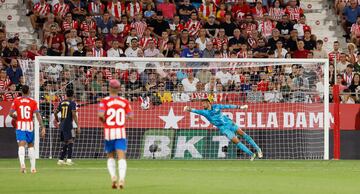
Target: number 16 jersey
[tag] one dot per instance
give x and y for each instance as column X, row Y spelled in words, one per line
column 25, row 107
column 115, row 110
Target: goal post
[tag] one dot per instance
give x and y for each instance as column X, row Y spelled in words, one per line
column 290, row 124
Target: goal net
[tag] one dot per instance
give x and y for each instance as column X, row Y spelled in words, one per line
column 288, row 102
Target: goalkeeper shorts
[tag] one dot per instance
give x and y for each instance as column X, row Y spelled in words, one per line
column 229, row 130
column 116, row 144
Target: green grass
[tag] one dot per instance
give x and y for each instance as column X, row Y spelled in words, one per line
column 190, row 177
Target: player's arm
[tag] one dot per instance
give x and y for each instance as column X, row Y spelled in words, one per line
column 43, row 130
column 101, row 111
column 12, row 114
column 189, row 109
column 231, row 106
column 76, row 120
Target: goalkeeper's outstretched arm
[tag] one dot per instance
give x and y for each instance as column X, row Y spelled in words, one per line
column 189, row 109
column 231, row 106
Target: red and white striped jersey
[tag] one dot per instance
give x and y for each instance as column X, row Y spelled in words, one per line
column 133, row 9
column 248, row 27
column 258, row 12
column 107, row 74
column 276, row 13
column 25, row 107
column 294, row 12
column 115, row 110
column 193, row 26
column 219, row 42
column 90, row 41
column 85, row 27
column 96, row 7
column 42, row 9
column 4, row 84
column 10, row 96
column 355, row 29
column 70, row 25
column 266, row 27
column 116, row 9
column 207, row 10
column 334, row 54
column 242, row 54
column 162, row 44
column 98, row 52
column 144, row 41
column 60, row 9
column 140, row 27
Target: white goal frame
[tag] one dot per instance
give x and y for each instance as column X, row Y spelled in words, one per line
column 275, row 61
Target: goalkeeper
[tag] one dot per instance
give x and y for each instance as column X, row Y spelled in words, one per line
column 212, row 112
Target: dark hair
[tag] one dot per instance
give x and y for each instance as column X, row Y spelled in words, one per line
column 25, row 89
column 69, row 93
column 205, row 100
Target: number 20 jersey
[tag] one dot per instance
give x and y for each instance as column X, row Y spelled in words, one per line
column 115, row 110
column 25, row 107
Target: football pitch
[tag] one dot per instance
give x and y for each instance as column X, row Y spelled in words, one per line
column 190, row 177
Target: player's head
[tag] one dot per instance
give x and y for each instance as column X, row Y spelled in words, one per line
column 206, row 103
column 25, row 90
column 114, row 87
column 69, row 93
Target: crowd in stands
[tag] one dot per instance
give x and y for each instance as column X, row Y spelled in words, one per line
column 188, row 29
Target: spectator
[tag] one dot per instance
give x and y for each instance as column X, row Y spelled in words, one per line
column 300, row 52
column 53, row 72
column 168, row 9
column 114, row 35
column 139, row 25
column 60, row 9
column 98, row 50
column 357, row 64
column 258, row 11
column 104, row 24
column 261, row 50
column 69, row 23
column 253, row 95
column 151, row 82
column 276, row 11
column 204, row 76
column 10, row 52
column 96, row 8
column 4, row 80
column 236, row 42
column 193, row 25
column 39, row 16
column 335, row 54
column 78, row 9
column 355, row 84
column 189, row 52
column 285, row 27
column 351, row 12
column 133, row 8
column 211, row 27
column 158, row 25
column 347, row 98
column 351, row 55
column 355, row 32
column 273, row 95
column 14, row 72
column 266, row 26
column 293, row 10
column 342, row 64
column 131, row 36
column 348, row 75
column 55, row 42
column 309, row 42
column 185, row 10
column 319, row 52
column 224, row 76
column 190, row 82
column 209, row 51
column 179, row 95
column 114, row 51
column 164, row 96
column 133, row 86
column 183, row 41
column 151, row 51
column 240, row 9
column 169, row 51
column 301, row 27
column 280, row 52
column 72, row 39
column 11, row 94
column 80, row 50
column 202, row 40
column 171, row 84
column 144, row 41
column 211, row 85
column 163, row 40
column 116, row 9
column 228, row 25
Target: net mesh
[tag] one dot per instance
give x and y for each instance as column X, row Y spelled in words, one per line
column 285, row 114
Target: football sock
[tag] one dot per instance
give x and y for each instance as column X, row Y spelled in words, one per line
column 111, row 165
column 63, row 152
column 70, row 150
column 251, row 142
column 31, row 152
column 242, row 147
column 122, row 169
column 21, row 153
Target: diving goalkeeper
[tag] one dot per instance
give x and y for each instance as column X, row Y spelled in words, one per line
column 212, row 112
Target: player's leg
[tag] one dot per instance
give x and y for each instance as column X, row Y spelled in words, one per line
column 250, row 141
column 63, row 149
column 70, row 144
column 111, row 164
column 21, row 139
column 231, row 136
column 31, row 151
column 121, row 146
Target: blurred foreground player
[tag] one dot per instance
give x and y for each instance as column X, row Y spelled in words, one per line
column 67, row 110
column 22, row 111
column 113, row 112
column 212, row 112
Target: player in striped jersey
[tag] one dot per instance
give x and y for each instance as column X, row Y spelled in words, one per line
column 113, row 112
column 22, row 111
column 67, row 108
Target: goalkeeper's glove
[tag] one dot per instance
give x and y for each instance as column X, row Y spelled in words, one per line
column 243, row 107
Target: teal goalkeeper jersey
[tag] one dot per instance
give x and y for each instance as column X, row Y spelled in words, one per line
column 215, row 116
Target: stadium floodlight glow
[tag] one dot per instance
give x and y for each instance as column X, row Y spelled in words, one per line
column 286, row 129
